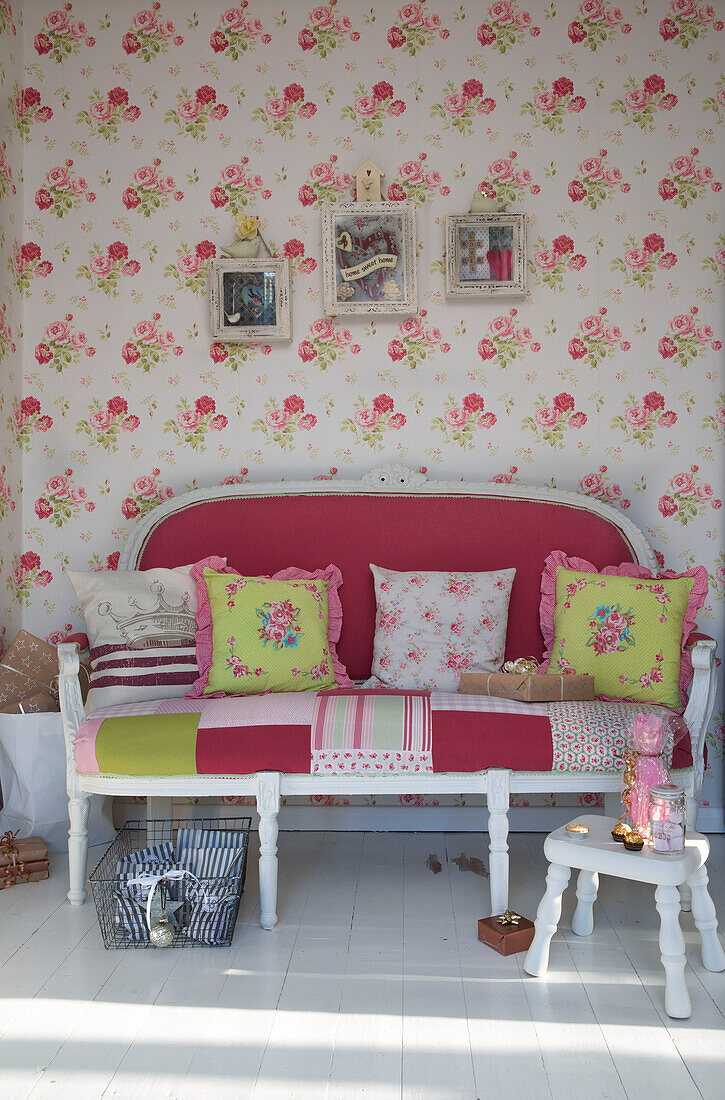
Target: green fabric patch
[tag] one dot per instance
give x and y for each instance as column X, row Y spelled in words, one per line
column 148, row 744
column 625, row 632
column 267, row 635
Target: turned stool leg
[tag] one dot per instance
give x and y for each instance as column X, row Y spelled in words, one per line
column 547, row 920
column 672, row 951
column 703, row 910
column 587, row 885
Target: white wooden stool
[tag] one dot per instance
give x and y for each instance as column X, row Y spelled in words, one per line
column 598, row 852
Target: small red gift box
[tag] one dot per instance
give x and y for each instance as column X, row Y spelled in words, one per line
column 507, row 938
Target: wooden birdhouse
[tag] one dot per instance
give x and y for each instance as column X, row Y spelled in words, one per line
column 367, row 180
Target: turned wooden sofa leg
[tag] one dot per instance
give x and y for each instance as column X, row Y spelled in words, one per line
column 497, row 796
column 268, row 802
column 78, row 811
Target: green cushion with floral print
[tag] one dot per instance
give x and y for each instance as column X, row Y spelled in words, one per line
column 623, row 631
column 268, row 635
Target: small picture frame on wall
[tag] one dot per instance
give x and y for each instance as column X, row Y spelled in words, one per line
column 486, row 255
column 249, row 300
column 369, row 258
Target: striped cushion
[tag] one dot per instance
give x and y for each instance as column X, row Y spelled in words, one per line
column 119, row 673
column 141, row 627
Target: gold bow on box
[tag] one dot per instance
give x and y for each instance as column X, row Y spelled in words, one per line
column 525, row 665
column 509, row 917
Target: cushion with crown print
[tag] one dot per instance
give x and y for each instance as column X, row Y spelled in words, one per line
column 141, row 627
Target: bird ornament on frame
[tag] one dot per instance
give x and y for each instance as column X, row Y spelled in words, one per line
column 369, row 251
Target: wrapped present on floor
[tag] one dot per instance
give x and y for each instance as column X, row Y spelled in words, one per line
column 28, row 667
column 14, row 874
column 506, row 934
column 527, row 687
column 15, row 849
column 39, row 703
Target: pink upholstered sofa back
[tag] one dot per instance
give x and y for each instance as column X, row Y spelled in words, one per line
column 262, row 534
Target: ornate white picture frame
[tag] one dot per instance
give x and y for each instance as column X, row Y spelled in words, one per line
column 486, row 255
column 369, row 258
column 249, row 300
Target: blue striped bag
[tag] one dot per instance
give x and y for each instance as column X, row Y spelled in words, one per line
column 211, row 916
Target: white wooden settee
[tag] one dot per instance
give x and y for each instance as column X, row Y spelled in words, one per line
column 393, row 517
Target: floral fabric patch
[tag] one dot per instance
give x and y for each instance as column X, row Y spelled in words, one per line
column 268, row 635
column 624, row 631
column 431, row 627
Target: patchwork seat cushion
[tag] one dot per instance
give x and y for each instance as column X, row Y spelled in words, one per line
column 358, row 732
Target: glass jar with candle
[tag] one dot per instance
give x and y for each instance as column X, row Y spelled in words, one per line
column 667, row 810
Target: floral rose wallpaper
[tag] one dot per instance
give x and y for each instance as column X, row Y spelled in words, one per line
column 132, row 135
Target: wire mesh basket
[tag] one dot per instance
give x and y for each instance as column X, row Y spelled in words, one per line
column 139, row 835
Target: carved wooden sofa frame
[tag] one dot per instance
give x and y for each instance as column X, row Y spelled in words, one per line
column 496, row 784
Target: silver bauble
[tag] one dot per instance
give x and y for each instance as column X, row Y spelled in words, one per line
column 162, row 933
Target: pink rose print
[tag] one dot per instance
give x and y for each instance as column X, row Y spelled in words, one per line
column 506, row 26
column 506, row 181
column 149, row 344
column 415, row 28
column 640, row 262
column 687, row 497
column 416, row 182
column 507, row 339
column 688, row 22
column 194, row 111
column 598, row 485
column 326, row 343
column 326, row 184
column 460, row 106
column 371, row 420
column 237, row 33
column 149, row 35
column 61, row 35
column 326, row 31
column 598, row 23
column 640, row 421
column 62, row 191
column 146, row 493
column 26, row 264
column 551, row 262
column 192, row 422
column 106, row 113
column 192, row 267
column 687, row 180
column 550, row 106
column 597, row 339
column 26, row 419
column 62, row 500
column 416, row 341
column 25, row 575
column 149, row 189
column 62, row 345
column 687, row 339
column 282, row 422
column 597, row 181
column 105, row 422
column 104, row 270
column 370, row 109
column 27, row 109
column 280, row 112
column 237, row 187
column 460, row 420
column 642, row 103
column 550, row 421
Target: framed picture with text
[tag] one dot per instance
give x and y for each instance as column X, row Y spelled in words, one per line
column 486, row 255
column 369, row 258
column 249, row 300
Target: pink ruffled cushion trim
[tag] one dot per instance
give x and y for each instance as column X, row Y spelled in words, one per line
column 558, row 558
column 204, row 636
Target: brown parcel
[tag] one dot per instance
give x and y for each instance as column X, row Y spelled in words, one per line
column 30, row 872
column 28, row 666
column 25, row 849
column 39, row 703
column 527, row 688
column 507, row 939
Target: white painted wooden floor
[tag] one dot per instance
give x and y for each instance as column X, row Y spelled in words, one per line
column 372, row 985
